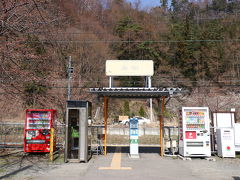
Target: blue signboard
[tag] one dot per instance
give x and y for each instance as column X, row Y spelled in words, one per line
column 133, row 127
column 133, row 140
column 133, row 132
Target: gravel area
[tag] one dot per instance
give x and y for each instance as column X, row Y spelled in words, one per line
column 25, row 166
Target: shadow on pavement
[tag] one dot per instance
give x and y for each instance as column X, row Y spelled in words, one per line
column 124, row 149
column 236, row 178
column 15, row 172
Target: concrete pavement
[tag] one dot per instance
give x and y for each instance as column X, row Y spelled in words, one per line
column 150, row 166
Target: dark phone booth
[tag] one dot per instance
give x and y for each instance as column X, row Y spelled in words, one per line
column 78, row 134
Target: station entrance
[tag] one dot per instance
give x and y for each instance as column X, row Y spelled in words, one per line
column 142, row 68
column 162, row 95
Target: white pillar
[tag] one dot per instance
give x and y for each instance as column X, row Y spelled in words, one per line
column 149, row 81
column 150, row 100
column 110, row 82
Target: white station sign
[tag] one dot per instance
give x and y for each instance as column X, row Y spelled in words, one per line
column 129, row 68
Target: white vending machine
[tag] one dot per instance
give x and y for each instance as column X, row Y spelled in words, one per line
column 225, row 142
column 194, row 132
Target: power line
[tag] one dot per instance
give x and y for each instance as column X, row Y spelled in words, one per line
column 156, row 79
column 135, row 41
column 163, row 85
column 82, row 87
column 102, row 33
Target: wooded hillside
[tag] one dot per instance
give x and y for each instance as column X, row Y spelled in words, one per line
column 193, row 45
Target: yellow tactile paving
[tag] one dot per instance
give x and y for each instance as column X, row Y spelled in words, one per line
column 116, row 162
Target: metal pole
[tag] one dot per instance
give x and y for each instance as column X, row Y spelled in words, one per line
column 161, row 127
column 66, row 138
column 105, row 123
column 69, row 77
column 110, row 82
column 149, row 81
column 51, row 143
column 149, row 85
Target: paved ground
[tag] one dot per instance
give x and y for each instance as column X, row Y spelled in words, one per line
column 150, row 166
column 118, row 166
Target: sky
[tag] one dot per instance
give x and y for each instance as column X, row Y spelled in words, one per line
column 147, row 3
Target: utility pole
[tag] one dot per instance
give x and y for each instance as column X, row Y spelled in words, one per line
column 70, row 71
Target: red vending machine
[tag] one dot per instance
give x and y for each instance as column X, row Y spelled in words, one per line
column 37, row 129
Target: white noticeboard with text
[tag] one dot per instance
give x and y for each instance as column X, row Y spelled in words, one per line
column 129, row 68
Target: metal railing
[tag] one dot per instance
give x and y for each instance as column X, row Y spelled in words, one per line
column 12, row 135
